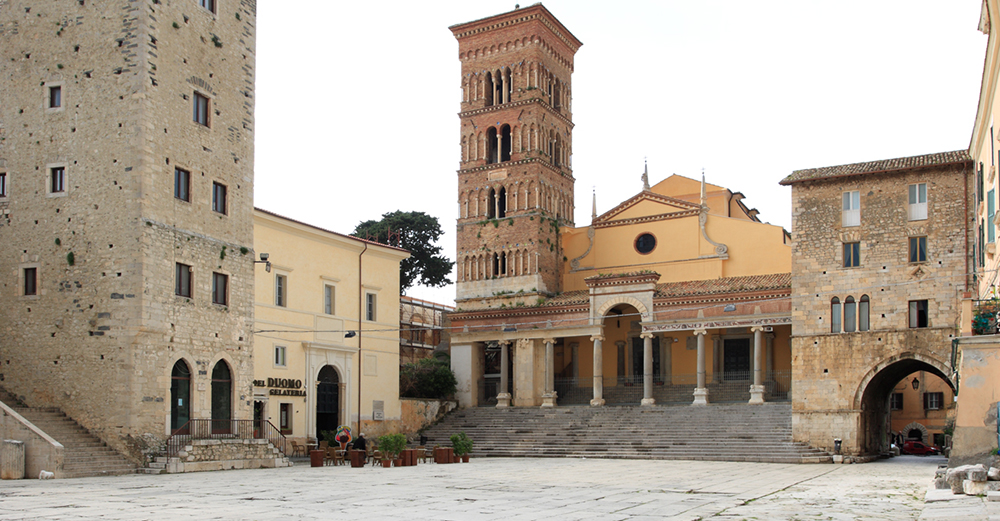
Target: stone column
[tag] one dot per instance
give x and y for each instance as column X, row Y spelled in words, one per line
column 598, row 370
column 666, row 355
column 757, row 389
column 549, row 396
column 647, row 369
column 503, row 397
column 499, row 155
column 717, row 358
column 701, row 391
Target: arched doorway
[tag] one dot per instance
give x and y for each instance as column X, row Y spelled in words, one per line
column 222, row 398
column 327, row 401
column 180, row 398
column 874, row 430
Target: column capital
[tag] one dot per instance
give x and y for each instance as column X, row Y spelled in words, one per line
column 597, row 338
column 755, row 329
column 646, row 334
column 549, row 340
column 701, row 331
column 504, row 342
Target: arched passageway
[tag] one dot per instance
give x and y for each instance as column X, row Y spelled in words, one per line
column 327, row 401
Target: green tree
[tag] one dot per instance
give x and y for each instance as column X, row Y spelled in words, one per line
column 417, row 232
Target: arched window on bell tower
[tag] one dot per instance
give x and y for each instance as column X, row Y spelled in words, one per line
column 502, row 203
column 508, row 85
column 488, row 89
column 491, row 205
column 505, row 143
column 498, row 85
column 491, row 145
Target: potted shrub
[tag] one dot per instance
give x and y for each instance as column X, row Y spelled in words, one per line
column 462, row 445
column 391, row 445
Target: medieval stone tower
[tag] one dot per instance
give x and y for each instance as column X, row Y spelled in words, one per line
column 515, row 181
column 126, row 198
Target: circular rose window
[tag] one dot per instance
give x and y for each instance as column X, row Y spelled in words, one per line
column 645, row 243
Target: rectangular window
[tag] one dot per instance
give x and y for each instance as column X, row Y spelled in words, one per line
column 918, row 249
column 991, row 210
column 285, row 418
column 370, row 307
column 852, row 209
column 57, row 179
column 55, row 97
column 201, row 107
column 219, row 198
column 329, row 299
column 3, row 184
column 852, row 254
column 220, row 288
column 183, row 280
column 918, row 202
column 279, row 356
column 30, row 281
column 918, row 313
column 896, row 402
column 933, row 401
column 280, row 290
column 182, row 184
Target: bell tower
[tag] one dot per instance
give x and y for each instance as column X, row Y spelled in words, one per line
column 515, row 179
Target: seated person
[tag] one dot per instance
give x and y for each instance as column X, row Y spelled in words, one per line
column 360, row 443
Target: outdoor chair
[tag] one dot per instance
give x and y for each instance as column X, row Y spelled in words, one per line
column 422, row 454
column 298, row 449
column 330, row 458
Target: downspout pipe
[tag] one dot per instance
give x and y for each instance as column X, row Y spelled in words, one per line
column 361, row 316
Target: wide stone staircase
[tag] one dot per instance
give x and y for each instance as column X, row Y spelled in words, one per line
column 736, row 432
column 84, row 455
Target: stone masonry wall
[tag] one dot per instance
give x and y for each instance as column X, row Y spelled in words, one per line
column 102, row 334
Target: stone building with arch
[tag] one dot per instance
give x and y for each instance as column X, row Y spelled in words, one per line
column 326, row 331
column 679, row 294
column 880, row 265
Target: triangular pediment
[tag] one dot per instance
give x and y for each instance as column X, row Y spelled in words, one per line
column 647, row 204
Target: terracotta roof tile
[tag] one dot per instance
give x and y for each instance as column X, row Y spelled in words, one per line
column 885, row 165
column 724, row 285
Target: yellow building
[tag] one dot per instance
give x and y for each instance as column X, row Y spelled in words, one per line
column 324, row 303
column 677, row 294
column 920, row 405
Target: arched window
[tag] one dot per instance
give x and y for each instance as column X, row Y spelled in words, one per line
column 556, row 95
column 491, row 145
column 222, row 397
column 850, row 315
column 488, row 89
column 505, row 143
column 499, row 87
column 491, row 204
column 327, row 400
column 835, row 315
column 508, row 86
column 557, row 151
column 180, row 398
column 496, row 265
column 863, row 311
column 502, row 203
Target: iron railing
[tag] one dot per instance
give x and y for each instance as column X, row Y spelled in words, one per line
column 208, row 429
column 984, row 317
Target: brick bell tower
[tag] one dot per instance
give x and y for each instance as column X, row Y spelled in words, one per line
column 515, row 181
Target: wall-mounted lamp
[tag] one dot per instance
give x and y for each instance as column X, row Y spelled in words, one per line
column 915, row 383
column 350, row 334
column 263, row 260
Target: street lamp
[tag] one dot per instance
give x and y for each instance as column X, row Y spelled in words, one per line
column 915, row 383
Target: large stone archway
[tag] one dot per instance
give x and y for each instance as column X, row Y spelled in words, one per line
column 872, row 397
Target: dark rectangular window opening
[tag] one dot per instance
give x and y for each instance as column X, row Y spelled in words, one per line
column 200, row 109
column 183, row 280
column 55, row 97
column 285, row 419
column 280, row 287
column 918, row 313
column 852, row 254
column 370, row 307
column 208, row 4
column 219, row 198
column 57, row 179
column 182, row 184
column 3, row 184
column 30, row 281
column 918, row 249
column 220, row 289
column 896, row 402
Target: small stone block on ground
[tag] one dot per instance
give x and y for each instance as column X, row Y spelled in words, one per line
column 993, row 495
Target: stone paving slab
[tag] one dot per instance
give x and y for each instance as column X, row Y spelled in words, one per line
column 500, row 489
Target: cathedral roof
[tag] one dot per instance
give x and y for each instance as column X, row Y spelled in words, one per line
column 884, row 165
column 724, row 285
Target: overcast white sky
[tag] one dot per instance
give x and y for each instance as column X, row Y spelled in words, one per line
column 357, row 102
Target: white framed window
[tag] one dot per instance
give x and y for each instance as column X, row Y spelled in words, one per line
column 370, row 307
column 54, row 96
column 56, row 180
column 280, row 356
column 917, row 209
column 208, row 4
column 281, row 291
column 3, row 184
column 933, row 401
column 329, row 299
column 852, row 209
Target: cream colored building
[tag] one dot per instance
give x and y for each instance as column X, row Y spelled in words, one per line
column 328, row 301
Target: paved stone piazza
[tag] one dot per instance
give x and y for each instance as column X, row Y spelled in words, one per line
column 510, row 489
